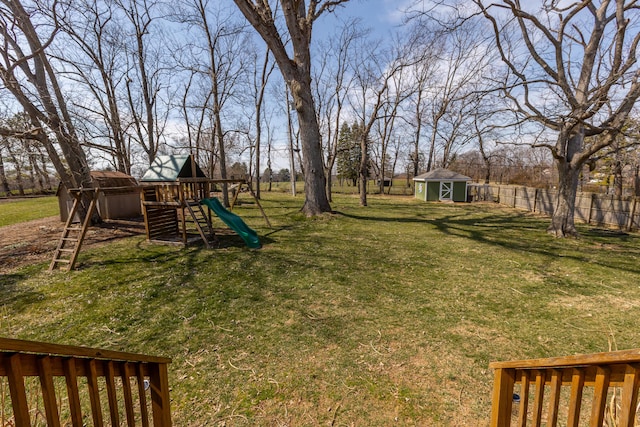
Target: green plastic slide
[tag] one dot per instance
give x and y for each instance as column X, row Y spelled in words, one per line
column 234, row 222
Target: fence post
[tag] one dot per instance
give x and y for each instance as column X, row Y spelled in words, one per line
column 590, row 208
column 633, row 213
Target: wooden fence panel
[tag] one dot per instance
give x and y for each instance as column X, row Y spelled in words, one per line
column 591, row 208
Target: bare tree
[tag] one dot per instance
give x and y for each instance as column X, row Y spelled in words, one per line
column 98, row 66
column 145, row 73
column 220, row 57
column 386, row 126
column 332, row 83
column 292, row 147
column 27, row 72
column 573, row 70
column 373, row 80
column 296, row 70
column 427, row 47
column 194, row 108
column 4, row 182
column 458, row 68
column 260, row 80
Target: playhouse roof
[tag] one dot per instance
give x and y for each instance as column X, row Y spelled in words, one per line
column 170, row 168
column 441, row 174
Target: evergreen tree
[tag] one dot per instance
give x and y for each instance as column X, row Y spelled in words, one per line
column 349, row 152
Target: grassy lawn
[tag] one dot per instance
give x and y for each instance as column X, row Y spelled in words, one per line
column 13, row 212
column 374, row 316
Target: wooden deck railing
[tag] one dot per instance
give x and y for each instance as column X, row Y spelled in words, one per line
column 576, row 390
column 72, row 380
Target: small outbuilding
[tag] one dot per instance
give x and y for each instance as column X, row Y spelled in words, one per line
column 441, row 185
column 120, row 200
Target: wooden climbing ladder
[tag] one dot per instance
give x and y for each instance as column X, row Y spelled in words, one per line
column 202, row 223
column 68, row 248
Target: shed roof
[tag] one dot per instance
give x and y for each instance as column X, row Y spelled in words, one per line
column 107, row 179
column 170, row 168
column 441, row 174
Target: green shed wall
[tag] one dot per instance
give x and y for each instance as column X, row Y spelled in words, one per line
column 460, row 191
column 433, row 191
column 430, row 191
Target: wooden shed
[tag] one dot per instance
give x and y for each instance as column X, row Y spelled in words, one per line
column 441, row 185
column 122, row 202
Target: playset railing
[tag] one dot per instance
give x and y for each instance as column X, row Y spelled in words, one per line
column 594, row 389
column 65, row 385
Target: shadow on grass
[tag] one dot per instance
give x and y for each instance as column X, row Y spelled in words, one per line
column 512, row 231
column 396, row 219
column 14, row 295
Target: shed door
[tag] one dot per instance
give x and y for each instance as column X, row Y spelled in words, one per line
column 446, row 190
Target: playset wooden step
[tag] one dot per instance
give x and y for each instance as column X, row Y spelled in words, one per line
column 202, row 223
column 70, row 242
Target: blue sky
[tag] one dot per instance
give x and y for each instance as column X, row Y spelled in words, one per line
column 379, row 15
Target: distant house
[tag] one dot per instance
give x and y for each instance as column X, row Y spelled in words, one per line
column 120, row 202
column 441, row 185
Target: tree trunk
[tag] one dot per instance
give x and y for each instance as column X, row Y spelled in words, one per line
column 257, row 151
column 316, row 201
column 3, row 178
column 329, row 182
column 297, row 73
column 562, row 220
column 17, row 164
column 292, row 163
column 363, row 172
column 617, row 178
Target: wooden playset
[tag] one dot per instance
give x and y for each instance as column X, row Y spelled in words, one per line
column 172, row 192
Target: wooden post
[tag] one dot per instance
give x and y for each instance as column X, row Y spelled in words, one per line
column 18, row 391
column 48, row 391
column 71, row 376
column 159, row 382
column 629, row 399
column 94, row 393
column 632, row 214
column 525, row 381
column 590, row 208
column 601, row 388
column 554, row 397
column 575, row 401
column 539, row 399
column 503, row 382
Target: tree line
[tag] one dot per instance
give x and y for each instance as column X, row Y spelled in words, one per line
column 114, row 83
